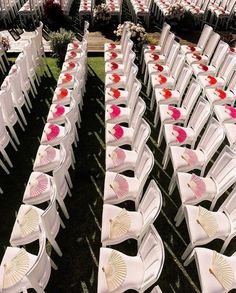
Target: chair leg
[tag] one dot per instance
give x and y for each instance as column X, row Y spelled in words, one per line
column 55, row 246
column 4, row 167
column 12, row 130
column 5, row 155
column 165, row 157
column 152, row 101
column 13, row 144
column 22, row 115
column 189, row 259
column 160, row 136
column 187, row 251
column 156, row 117
column 172, row 183
column 226, row 243
column 63, row 208
column 54, row 266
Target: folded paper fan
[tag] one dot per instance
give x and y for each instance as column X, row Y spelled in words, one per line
column 220, row 93
column 38, row 185
column 67, row 77
column 155, row 56
column 222, row 271
column 72, row 54
column 47, row 156
column 197, row 186
column 203, row 67
column 211, row 79
column 120, row 186
column 75, row 44
column 208, row 221
column 29, row 222
column 120, row 225
column 115, row 93
column 63, row 92
column 151, row 47
column 173, row 112
column 115, row 271
column 197, row 56
column 159, row 67
column 58, row 111
column 166, row 93
column 113, row 55
column 162, row 79
column 190, row 157
column 179, row 133
column 52, row 131
column 191, row 48
column 117, row 131
column 71, row 65
column 114, row 65
column 15, row 269
column 231, row 111
column 232, row 49
column 117, row 156
column 115, row 78
column 112, row 46
column 114, row 111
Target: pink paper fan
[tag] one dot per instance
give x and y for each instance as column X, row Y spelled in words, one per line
column 231, row 111
column 117, row 156
column 47, row 156
column 114, row 111
column 220, row 93
column 120, row 186
column 174, row 112
column 76, row 44
column 38, row 185
column 58, row 111
column 115, row 93
column 115, row 78
column 190, row 157
column 179, row 133
column 211, row 79
column 117, row 131
column 52, row 131
column 197, row 185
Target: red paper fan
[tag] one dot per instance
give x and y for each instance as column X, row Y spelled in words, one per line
column 155, row 56
column 231, row 111
column 232, row 49
column 203, row 66
column 115, row 93
column 75, row 44
column 211, row 79
column 152, row 47
column 52, row 131
column 38, row 185
column 162, row 79
column 114, row 111
column 47, row 156
column 114, row 65
column 62, row 93
column 197, row 185
column 67, row 77
column 117, row 156
column 179, row 133
column 190, row 157
column 71, row 65
column 220, row 93
column 112, row 46
column 120, row 186
column 197, row 56
column 113, row 55
column 115, row 78
column 72, row 54
column 166, row 93
column 117, row 131
column 191, row 48
column 58, row 111
column 174, row 112
column 159, row 67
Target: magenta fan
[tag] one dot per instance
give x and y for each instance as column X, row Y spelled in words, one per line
column 197, row 185
column 47, row 156
column 231, row 110
column 190, row 157
column 179, row 133
column 58, row 111
column 117, row 156
column 52, row 131
column 114, row 111
column 120, row 186
column 117, row 131
column 38, row 185
column 174, row 112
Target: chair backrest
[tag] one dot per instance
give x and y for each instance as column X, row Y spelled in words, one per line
column 30, row 54
column 232, row 82
column 177, row 66
column 15, row 84
column 229, row 205
column 40, row 272
column 230, row 6
column 3, row 131
column 223, row 171
column 190, row 98
column 59, row 176
column 134, row 96
column 138, row 114
column 150, row 205
column 172, row 54
column 219, row 55
column 211, row 139
column 204, row 5
column 131, row 78
column 126, row 41
column 22, row 64
column 199, row 116
column 211, row 45
column 128, row 64
column 6, row 102
column 151, row 251
column 204, row 37
column 144, row 166
column 223, row 3
column 183, row 79
column 168, row 44
column 228, row 67
column 125, row 35
column 164, row 33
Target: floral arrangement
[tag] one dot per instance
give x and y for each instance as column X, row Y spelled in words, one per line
column 175, row 10
column 138, row 33
column 102, row 13
column 5, row 42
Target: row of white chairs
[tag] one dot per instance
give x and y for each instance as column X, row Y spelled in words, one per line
column 204, row 225
column 123, row 105
column 60, row 130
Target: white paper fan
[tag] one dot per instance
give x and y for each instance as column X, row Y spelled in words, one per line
column 28, row 222
column 120, row 225
column 115, row 271
column 222, row 271
column 15, row 269
column 208, row 221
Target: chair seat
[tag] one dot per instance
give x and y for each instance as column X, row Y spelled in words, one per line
column 115, row 80
column 196, row 58
column 169, row 117
column 189, row 49
column 70, row 66
column 162, row 98
column 203, row 69
column 47, row 159
column 117, row 135
column 116, row 96
column 52, row 134
column 162, row 81
column 57, row 113
column 225, row 114
column 219, row 95
column 158, row 69
column 154, row 58
column 113, row 67
column 211, row 81
column 62, row 95
column 109, row 234
column 230, row 130
column 172, row 137
column 116, row 114
column 112, row 47
column 111, row 56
